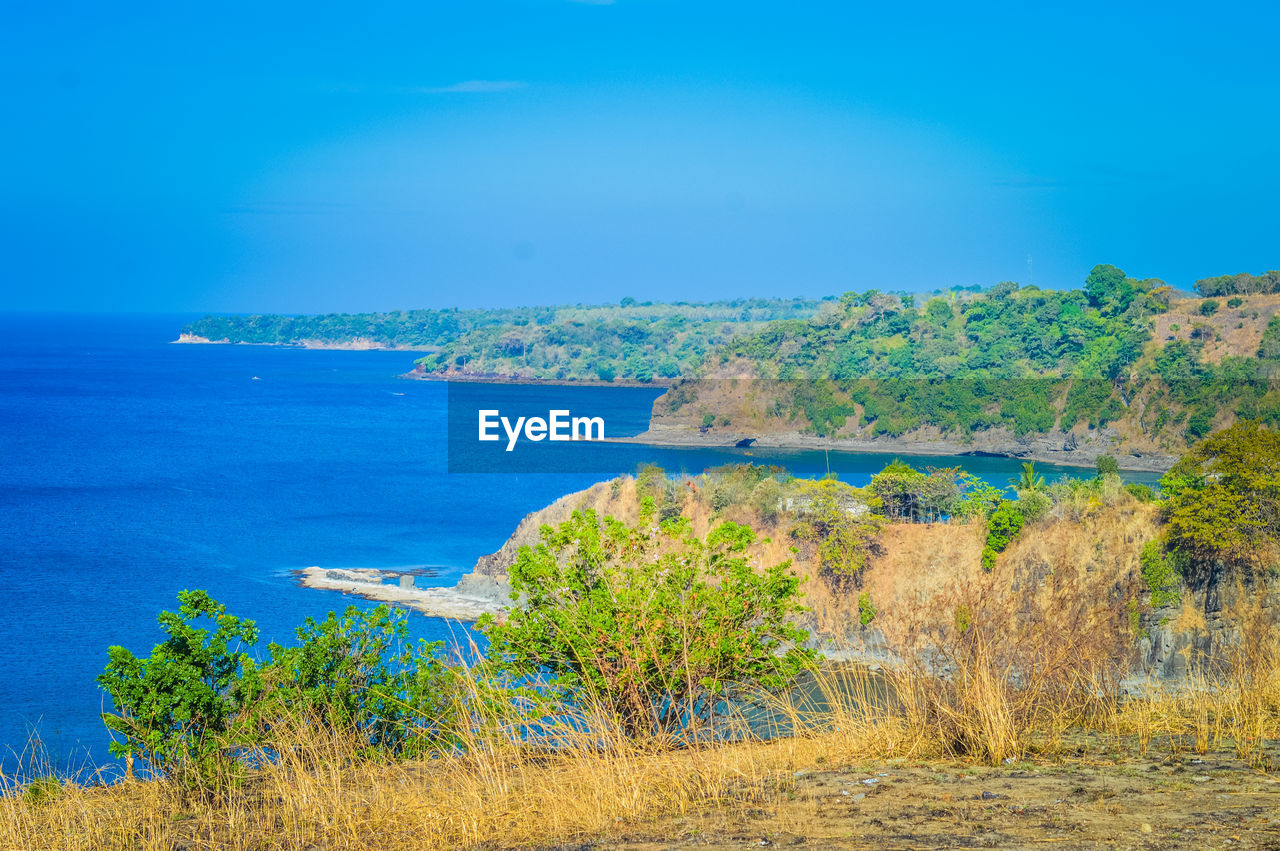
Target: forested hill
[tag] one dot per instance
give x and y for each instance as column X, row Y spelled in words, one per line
column 1130, row 359
column 635, row 341
column 1114, row 326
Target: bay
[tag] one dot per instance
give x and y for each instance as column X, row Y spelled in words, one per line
column 131, row 469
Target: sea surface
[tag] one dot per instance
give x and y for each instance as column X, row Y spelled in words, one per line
column 131, row 469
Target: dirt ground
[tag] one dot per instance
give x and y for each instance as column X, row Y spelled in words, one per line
column 1178, row 802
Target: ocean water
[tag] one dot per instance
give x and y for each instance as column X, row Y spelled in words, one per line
column 131, row 469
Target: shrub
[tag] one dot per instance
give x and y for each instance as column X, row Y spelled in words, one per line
column 866, row 610
column 1208, row 307
column 1199, row 423
column 42, row 790
column 1002, row 527
column 1034, row 505
column 836, row 518
column 1223, row 498
column 663, row 630
column 358, row 673
column 177, row 707
column 200, row 702
column 765, row 499
column 1159, row 573
column 1234, row 302
column 1140, row 492
column 1108, row 466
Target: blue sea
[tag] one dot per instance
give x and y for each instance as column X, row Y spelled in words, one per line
column 131, row 469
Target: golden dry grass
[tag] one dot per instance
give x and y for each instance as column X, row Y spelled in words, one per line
column 503, row 791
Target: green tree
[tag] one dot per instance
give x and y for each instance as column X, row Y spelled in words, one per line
column 1107, row 466
column 1002, row 527
column 1108, row 286
column 663, row 630
column 1223, row 498
column 836, row 517
column 178, row 708
column 360, row 673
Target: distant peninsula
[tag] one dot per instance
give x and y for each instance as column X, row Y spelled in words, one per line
column 1121, row 366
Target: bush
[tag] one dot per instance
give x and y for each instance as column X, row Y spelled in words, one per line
column 663, row 631
column 1234, row 302
column 178, row 707
column 1208, row 307
column 1108, row 466
column 836, row 518
column 1140, row 492
column 1160, row 574
column 866, row 610
column 1002, row 527
column 358, row 673
column 1199, row 423
column 1034, row 505
column 1223, row 499
column 200, row 700
column 43, row 790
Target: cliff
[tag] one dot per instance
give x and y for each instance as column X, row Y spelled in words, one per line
column 1077, row 569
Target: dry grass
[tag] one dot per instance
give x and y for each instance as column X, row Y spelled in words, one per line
column 505, row 790
column 1235, row 702
column 1032, row 664
column 319, row 792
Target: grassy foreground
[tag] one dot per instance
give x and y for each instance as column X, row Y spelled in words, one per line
column 901, row 757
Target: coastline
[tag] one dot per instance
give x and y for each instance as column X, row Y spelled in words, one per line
column 416, row 375
column 473, row 596
column 1056, row 448
column 1048, row 449
column 358, row 344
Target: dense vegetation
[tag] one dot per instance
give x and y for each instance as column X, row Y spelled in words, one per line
column 660, row 627
column 1022, row 358
column 632, row 637
column 963, row 360
column 1242, row 284
column 636, row 341
column 1006, row 332
column 1223, row 500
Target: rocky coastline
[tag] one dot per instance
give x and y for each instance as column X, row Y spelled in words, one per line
column 1056, row 447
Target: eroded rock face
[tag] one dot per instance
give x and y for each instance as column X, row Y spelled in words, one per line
column 1206, row 626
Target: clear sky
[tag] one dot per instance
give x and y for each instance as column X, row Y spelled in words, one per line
column 314, row 157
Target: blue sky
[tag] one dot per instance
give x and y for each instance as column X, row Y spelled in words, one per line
column 306, row 157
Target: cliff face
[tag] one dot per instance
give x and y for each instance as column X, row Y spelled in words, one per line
column 1076, row 570
column 1078, row 448
column 768, row 413
column 1209, row 625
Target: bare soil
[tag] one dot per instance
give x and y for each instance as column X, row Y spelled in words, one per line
column 1176, row 802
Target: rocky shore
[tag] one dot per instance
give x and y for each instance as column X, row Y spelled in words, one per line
column 355, row 344
column 1054, row 448
column 473, row 596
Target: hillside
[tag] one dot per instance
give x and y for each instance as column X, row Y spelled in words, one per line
column 1121, row 367
column 1078, row 564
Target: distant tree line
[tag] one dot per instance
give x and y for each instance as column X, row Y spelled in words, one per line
column 1242, row 284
